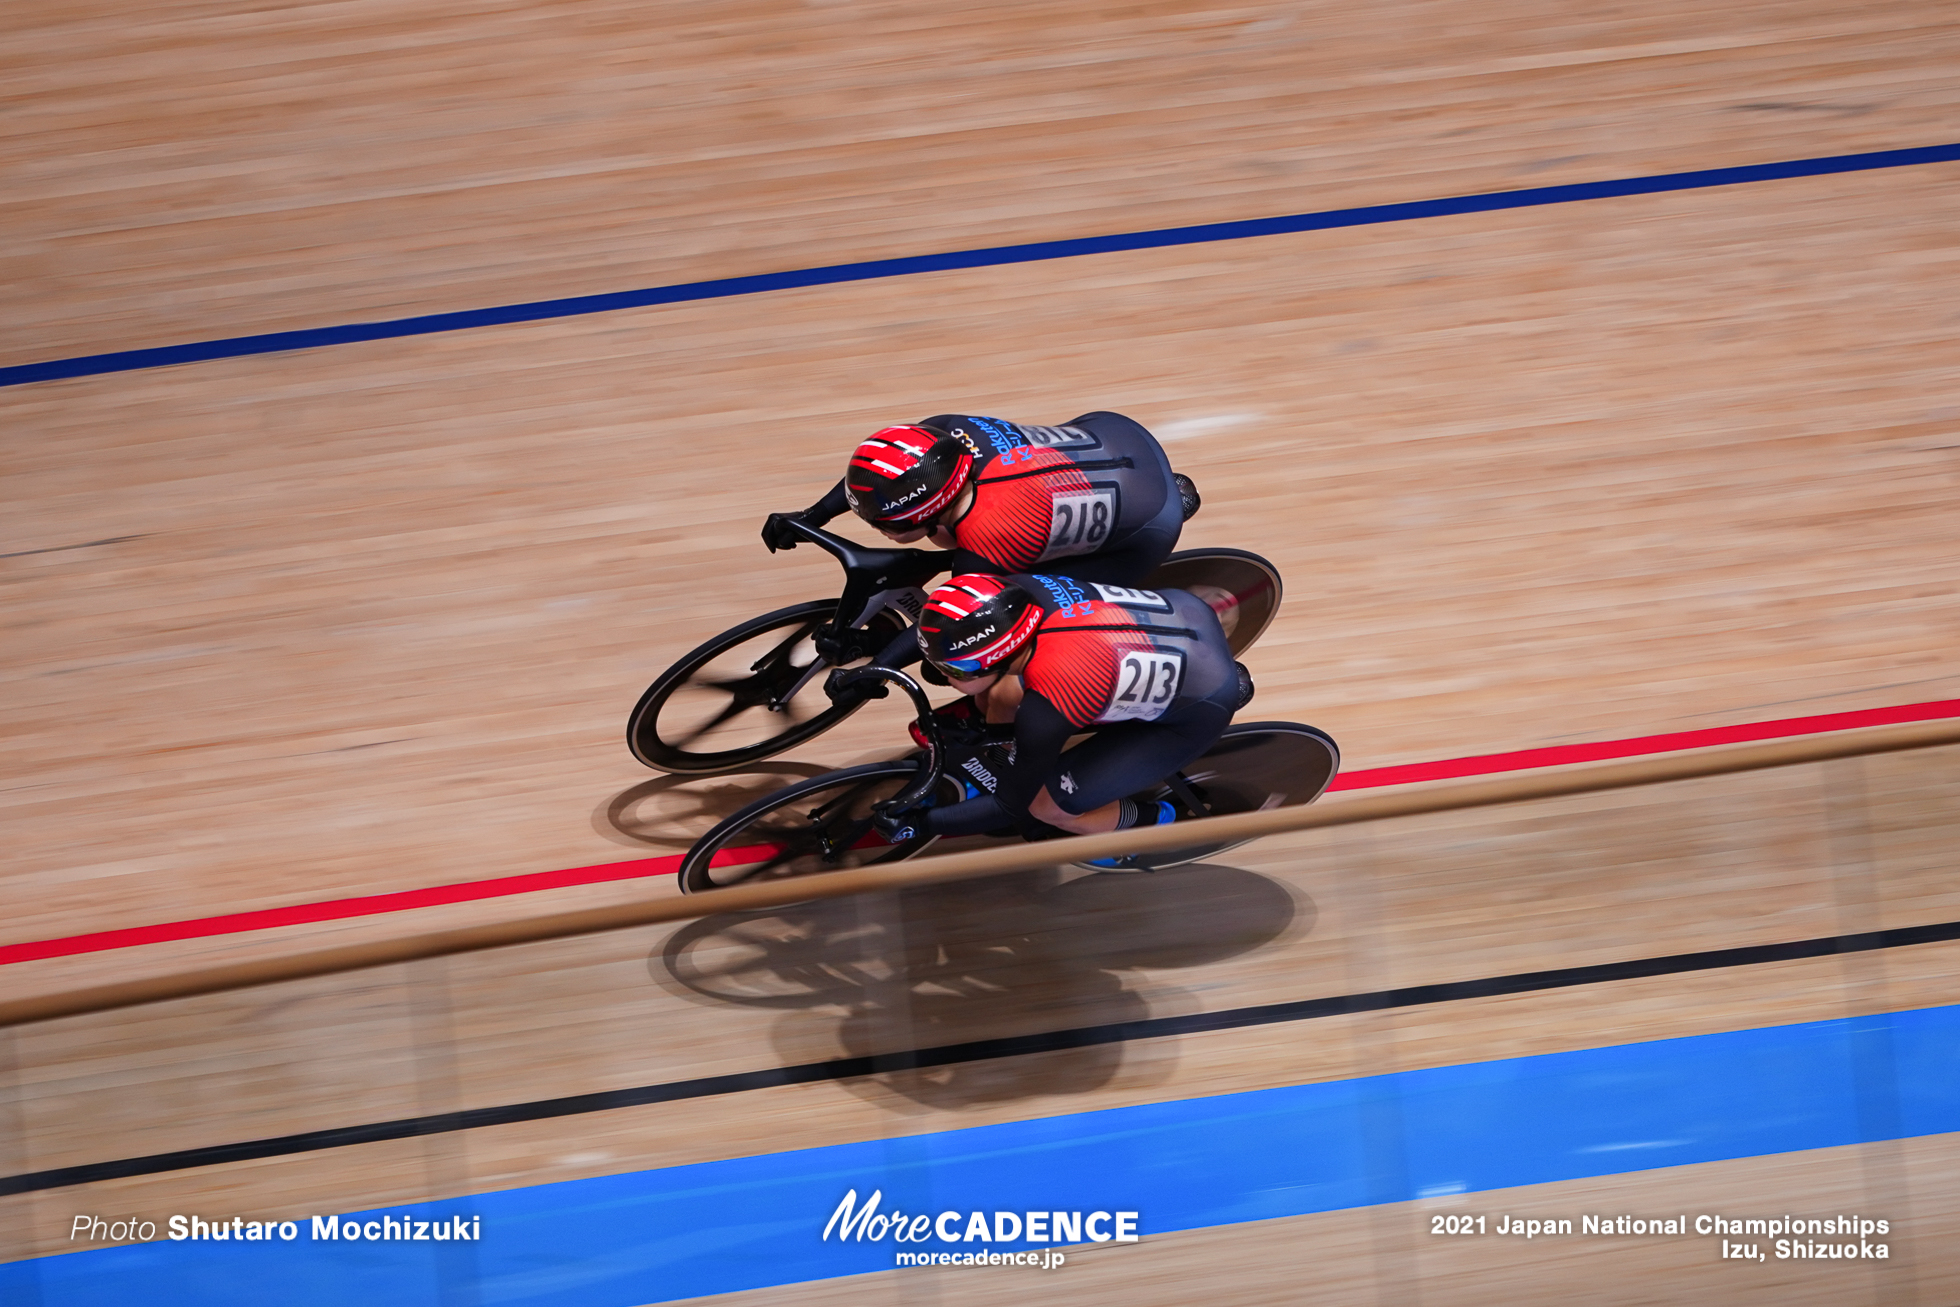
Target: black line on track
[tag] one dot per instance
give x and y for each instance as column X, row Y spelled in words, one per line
column 979, row 1050
column 991, row 257
column 62, row 549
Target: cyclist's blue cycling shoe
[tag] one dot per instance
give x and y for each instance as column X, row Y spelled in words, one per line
column 1165, row 813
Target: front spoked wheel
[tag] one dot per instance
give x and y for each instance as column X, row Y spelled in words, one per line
column 805, row 829
column 751, row 692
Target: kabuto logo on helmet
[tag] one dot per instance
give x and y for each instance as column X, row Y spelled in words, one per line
column 974, row 623
column 906, row 475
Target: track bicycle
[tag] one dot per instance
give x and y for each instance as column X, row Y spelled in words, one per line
column 828, row 823
column 747, row 694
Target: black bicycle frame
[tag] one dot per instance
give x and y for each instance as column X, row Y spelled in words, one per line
column 872, row 684
column 868, row 575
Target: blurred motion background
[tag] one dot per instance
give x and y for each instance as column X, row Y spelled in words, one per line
column 304, row 626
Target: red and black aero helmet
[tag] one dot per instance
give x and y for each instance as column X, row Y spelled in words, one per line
column 903, row 476
column 974, row 623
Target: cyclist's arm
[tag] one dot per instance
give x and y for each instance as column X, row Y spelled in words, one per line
column 831, row 505
column 1040, row 735
column 1040, row 731
column 902, row 652
column 961, row 561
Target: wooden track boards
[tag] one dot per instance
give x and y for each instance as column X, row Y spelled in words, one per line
column 368, row 618
column 1432, row 900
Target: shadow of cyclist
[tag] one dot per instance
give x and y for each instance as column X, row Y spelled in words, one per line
column 671, row 812
column 940, row 966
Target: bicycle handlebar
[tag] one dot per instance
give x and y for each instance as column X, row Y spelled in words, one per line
column 928, row 726
column 889, row 568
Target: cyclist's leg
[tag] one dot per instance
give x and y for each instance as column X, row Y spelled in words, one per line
column 1119, row 761
column 1132, row 561
column 1126, row 435
column 1149, row 543
column 976, row 816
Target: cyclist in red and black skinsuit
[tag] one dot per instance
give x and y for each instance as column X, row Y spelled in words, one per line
column 1148, row 674
column 1094, row 500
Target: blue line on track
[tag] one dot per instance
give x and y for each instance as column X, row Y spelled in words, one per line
column 721, row 1227
column 992, row 257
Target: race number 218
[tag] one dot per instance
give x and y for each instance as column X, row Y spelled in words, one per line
column 1081, row 522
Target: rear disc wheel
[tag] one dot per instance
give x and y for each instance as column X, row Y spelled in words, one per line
column 1252, row 767
column 1241, row 587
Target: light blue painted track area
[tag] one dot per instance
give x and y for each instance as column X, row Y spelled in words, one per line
column 752, row 1222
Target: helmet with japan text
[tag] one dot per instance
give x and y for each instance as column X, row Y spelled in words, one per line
column 974, row 623
column 903, row 477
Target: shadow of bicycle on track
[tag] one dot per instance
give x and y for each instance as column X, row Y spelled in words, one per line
column 671, row 812
column 986, row 959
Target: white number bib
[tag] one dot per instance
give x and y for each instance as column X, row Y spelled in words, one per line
column 1081, row 522
column 1060, row 437
column 1146, row 683
column 1122, row 594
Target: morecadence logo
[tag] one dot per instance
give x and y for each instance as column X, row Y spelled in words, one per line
column 1034, row 1230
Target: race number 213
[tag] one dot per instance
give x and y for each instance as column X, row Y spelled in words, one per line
column 1146, row 682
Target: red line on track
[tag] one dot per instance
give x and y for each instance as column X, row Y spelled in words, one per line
column 1602, row 750
column 369, row 905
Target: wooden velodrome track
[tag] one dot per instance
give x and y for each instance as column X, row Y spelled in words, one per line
column 350, row 620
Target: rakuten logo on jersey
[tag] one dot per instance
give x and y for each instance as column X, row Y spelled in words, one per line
column 1066, row 593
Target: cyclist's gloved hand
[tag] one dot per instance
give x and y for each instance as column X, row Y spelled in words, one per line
column 856, row 691
column 903, row 828
column 777, row 532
